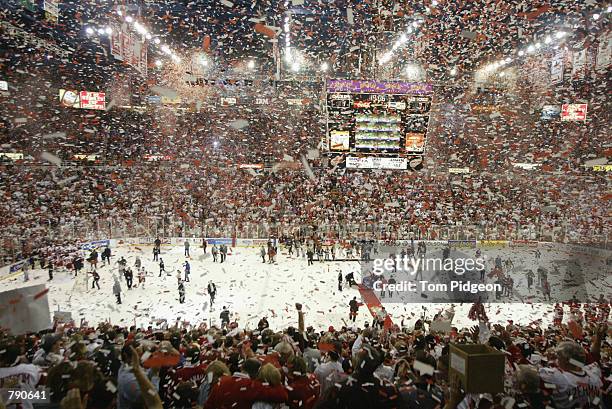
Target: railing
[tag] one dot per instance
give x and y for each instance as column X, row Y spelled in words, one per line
column 88, row 230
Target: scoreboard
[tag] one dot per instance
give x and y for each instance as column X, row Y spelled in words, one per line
column 373, row 119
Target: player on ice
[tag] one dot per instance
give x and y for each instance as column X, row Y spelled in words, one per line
column 181, row 291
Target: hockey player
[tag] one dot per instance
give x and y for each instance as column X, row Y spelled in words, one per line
column 155, row 253
column 215, row 252
column 181, row 291
column 96, row 279
column 141, row 277
column 50, row 269
column 530, row 277
column 262, row 253
column 162, row 268
column 186, row 248
column 340, row 281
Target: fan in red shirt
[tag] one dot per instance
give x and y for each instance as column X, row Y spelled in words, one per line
column 192, row 371
column 240, row 391
column 303, row 389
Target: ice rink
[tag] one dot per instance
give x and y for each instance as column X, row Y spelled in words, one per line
column 252, row 289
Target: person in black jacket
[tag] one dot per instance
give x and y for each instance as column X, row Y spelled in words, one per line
column 225, row 314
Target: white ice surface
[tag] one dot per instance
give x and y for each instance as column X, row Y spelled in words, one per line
column 251, row 289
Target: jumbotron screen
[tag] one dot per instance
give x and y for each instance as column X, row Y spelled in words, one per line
column 374, row 118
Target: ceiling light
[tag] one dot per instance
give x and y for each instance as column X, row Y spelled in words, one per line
column 324, row 67
column 100, row 31
column 596, row 16
column 251, row 64
column 89, row 30
column 453, row 72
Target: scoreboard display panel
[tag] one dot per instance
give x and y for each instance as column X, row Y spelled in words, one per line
column 377, row 118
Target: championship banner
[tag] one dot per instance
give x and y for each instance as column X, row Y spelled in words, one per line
column 573, row 112
column 604, row 52
column 129, row 47
column 556, row 68
column 579, row 64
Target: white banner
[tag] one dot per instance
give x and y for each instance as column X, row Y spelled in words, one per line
column 3, row 86
column 579, row 64
column 371, row 162
column 129, row 47
column 556, row 68
column 25, row 309
column 604, row 52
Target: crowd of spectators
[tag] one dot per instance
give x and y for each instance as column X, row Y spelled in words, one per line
column 198, row 184
column 566, row 365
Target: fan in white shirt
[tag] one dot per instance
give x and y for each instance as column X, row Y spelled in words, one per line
column 574, row 384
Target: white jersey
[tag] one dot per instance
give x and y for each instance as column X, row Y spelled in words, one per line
column 574, row 389
column 23, row 377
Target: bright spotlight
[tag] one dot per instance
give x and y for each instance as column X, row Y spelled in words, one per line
column 89, row 30
column 251, row 64
column 596, row 16
column 324, row 67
